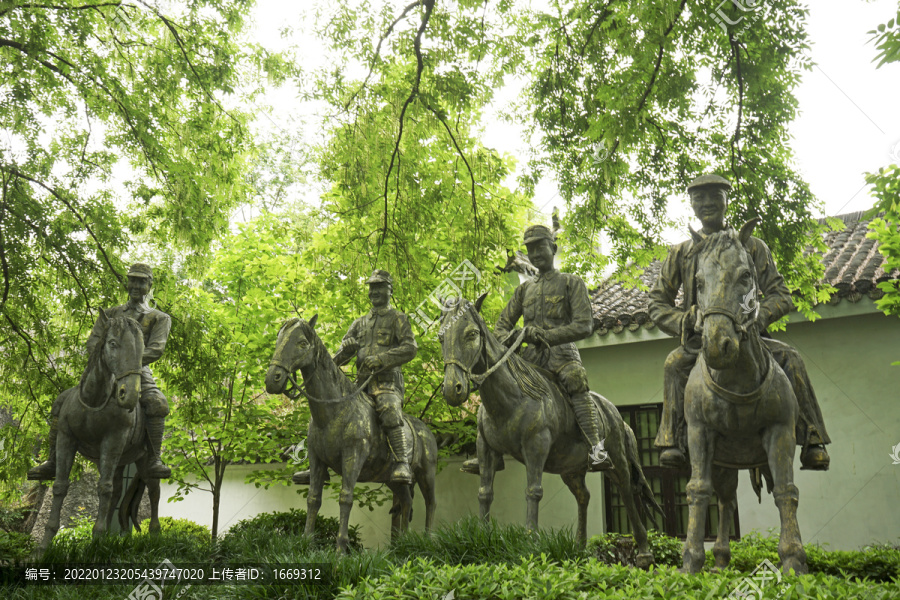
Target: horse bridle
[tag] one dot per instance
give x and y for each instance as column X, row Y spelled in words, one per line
column 297, row 390
column 479, row 379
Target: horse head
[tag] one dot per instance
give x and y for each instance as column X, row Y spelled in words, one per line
column 120, row 353
column 463, row 336
column 294, row 349
column 726, row 293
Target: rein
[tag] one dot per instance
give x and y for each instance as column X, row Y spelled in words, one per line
column 116, row 379
column 479, row 379
column 297, row 390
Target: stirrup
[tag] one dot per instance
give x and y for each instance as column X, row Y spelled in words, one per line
column 672, row 458
column 471, row 466
column 815, row 458
column 42, row 472
column 402, row 474
column 158, row 470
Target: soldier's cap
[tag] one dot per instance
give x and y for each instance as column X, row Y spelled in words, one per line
column 536, row 233
column 380, row 276
column 709, row 180
column 141, row 270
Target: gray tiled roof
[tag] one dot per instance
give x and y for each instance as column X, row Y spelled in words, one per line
column 852, row 264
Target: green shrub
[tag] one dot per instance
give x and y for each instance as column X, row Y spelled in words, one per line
column 617, row 548
column 179, row 526
column 471, row 540
column 248, row 535
column 541, row 577
column 15, row 547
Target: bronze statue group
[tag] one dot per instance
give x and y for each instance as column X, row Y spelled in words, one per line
column 536, row 403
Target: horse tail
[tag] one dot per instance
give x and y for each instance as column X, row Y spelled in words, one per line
column 131, row 503
column 639, row 485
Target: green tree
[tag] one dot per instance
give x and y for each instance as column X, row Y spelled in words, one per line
column 101, row 99
column 219, row 354
column 885, row 227
column 624, row 104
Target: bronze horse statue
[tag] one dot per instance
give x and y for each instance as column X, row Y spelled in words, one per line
column 740, row 409
column 525, row 414
column 98, row 420
column 344, row 432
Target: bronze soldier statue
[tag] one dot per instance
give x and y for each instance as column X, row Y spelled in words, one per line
column 557, row 313
column 709, row 199
column 382, row 341
column 155, row 325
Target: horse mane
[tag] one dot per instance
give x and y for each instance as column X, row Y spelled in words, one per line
column 323, row 356
column 531, row 381
column 114, row 325
column 721, row 241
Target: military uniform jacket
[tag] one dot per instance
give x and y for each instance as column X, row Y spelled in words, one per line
column 154, row 323
column 556, row 302
column 680, row 269
column 384, row 333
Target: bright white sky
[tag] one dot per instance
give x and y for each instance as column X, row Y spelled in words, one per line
column 849, row 123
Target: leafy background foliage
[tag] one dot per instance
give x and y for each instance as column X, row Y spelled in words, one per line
column 131, row 132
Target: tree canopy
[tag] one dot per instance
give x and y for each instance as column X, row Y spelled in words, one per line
column 128, row 134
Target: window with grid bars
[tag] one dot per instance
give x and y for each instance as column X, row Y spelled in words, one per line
column 668, row 485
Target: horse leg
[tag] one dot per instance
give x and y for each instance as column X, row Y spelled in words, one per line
column 401, row 509
column 317, row 471
column 701, row 444
column 109, row 463
column 535, row 451
column 624, row 457
column 488, row 459
column 426, row 486
column 725, row 484
column 576, row 485
column 116, row 495
column 65, row 457
column 780, row 443
column 142, row 465
column 353, row 462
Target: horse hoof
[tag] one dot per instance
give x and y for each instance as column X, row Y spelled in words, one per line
column 643, row 560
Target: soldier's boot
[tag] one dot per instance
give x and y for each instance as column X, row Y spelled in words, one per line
column 400, row 440
column 472, row 466
column 155, row 428
column 47, row 469
column 669, row 456
column 814, row 456
column 586, row 415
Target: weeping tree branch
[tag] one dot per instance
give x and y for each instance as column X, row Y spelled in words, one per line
column 71, row 208
column 459, row 151
column 383, row 37
column 420, row 66
column 736, row 138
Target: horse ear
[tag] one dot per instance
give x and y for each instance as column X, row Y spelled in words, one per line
column 479, row 301
column 312, row 322
column 103, row 318
column 697, row 237
column 747, row 230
